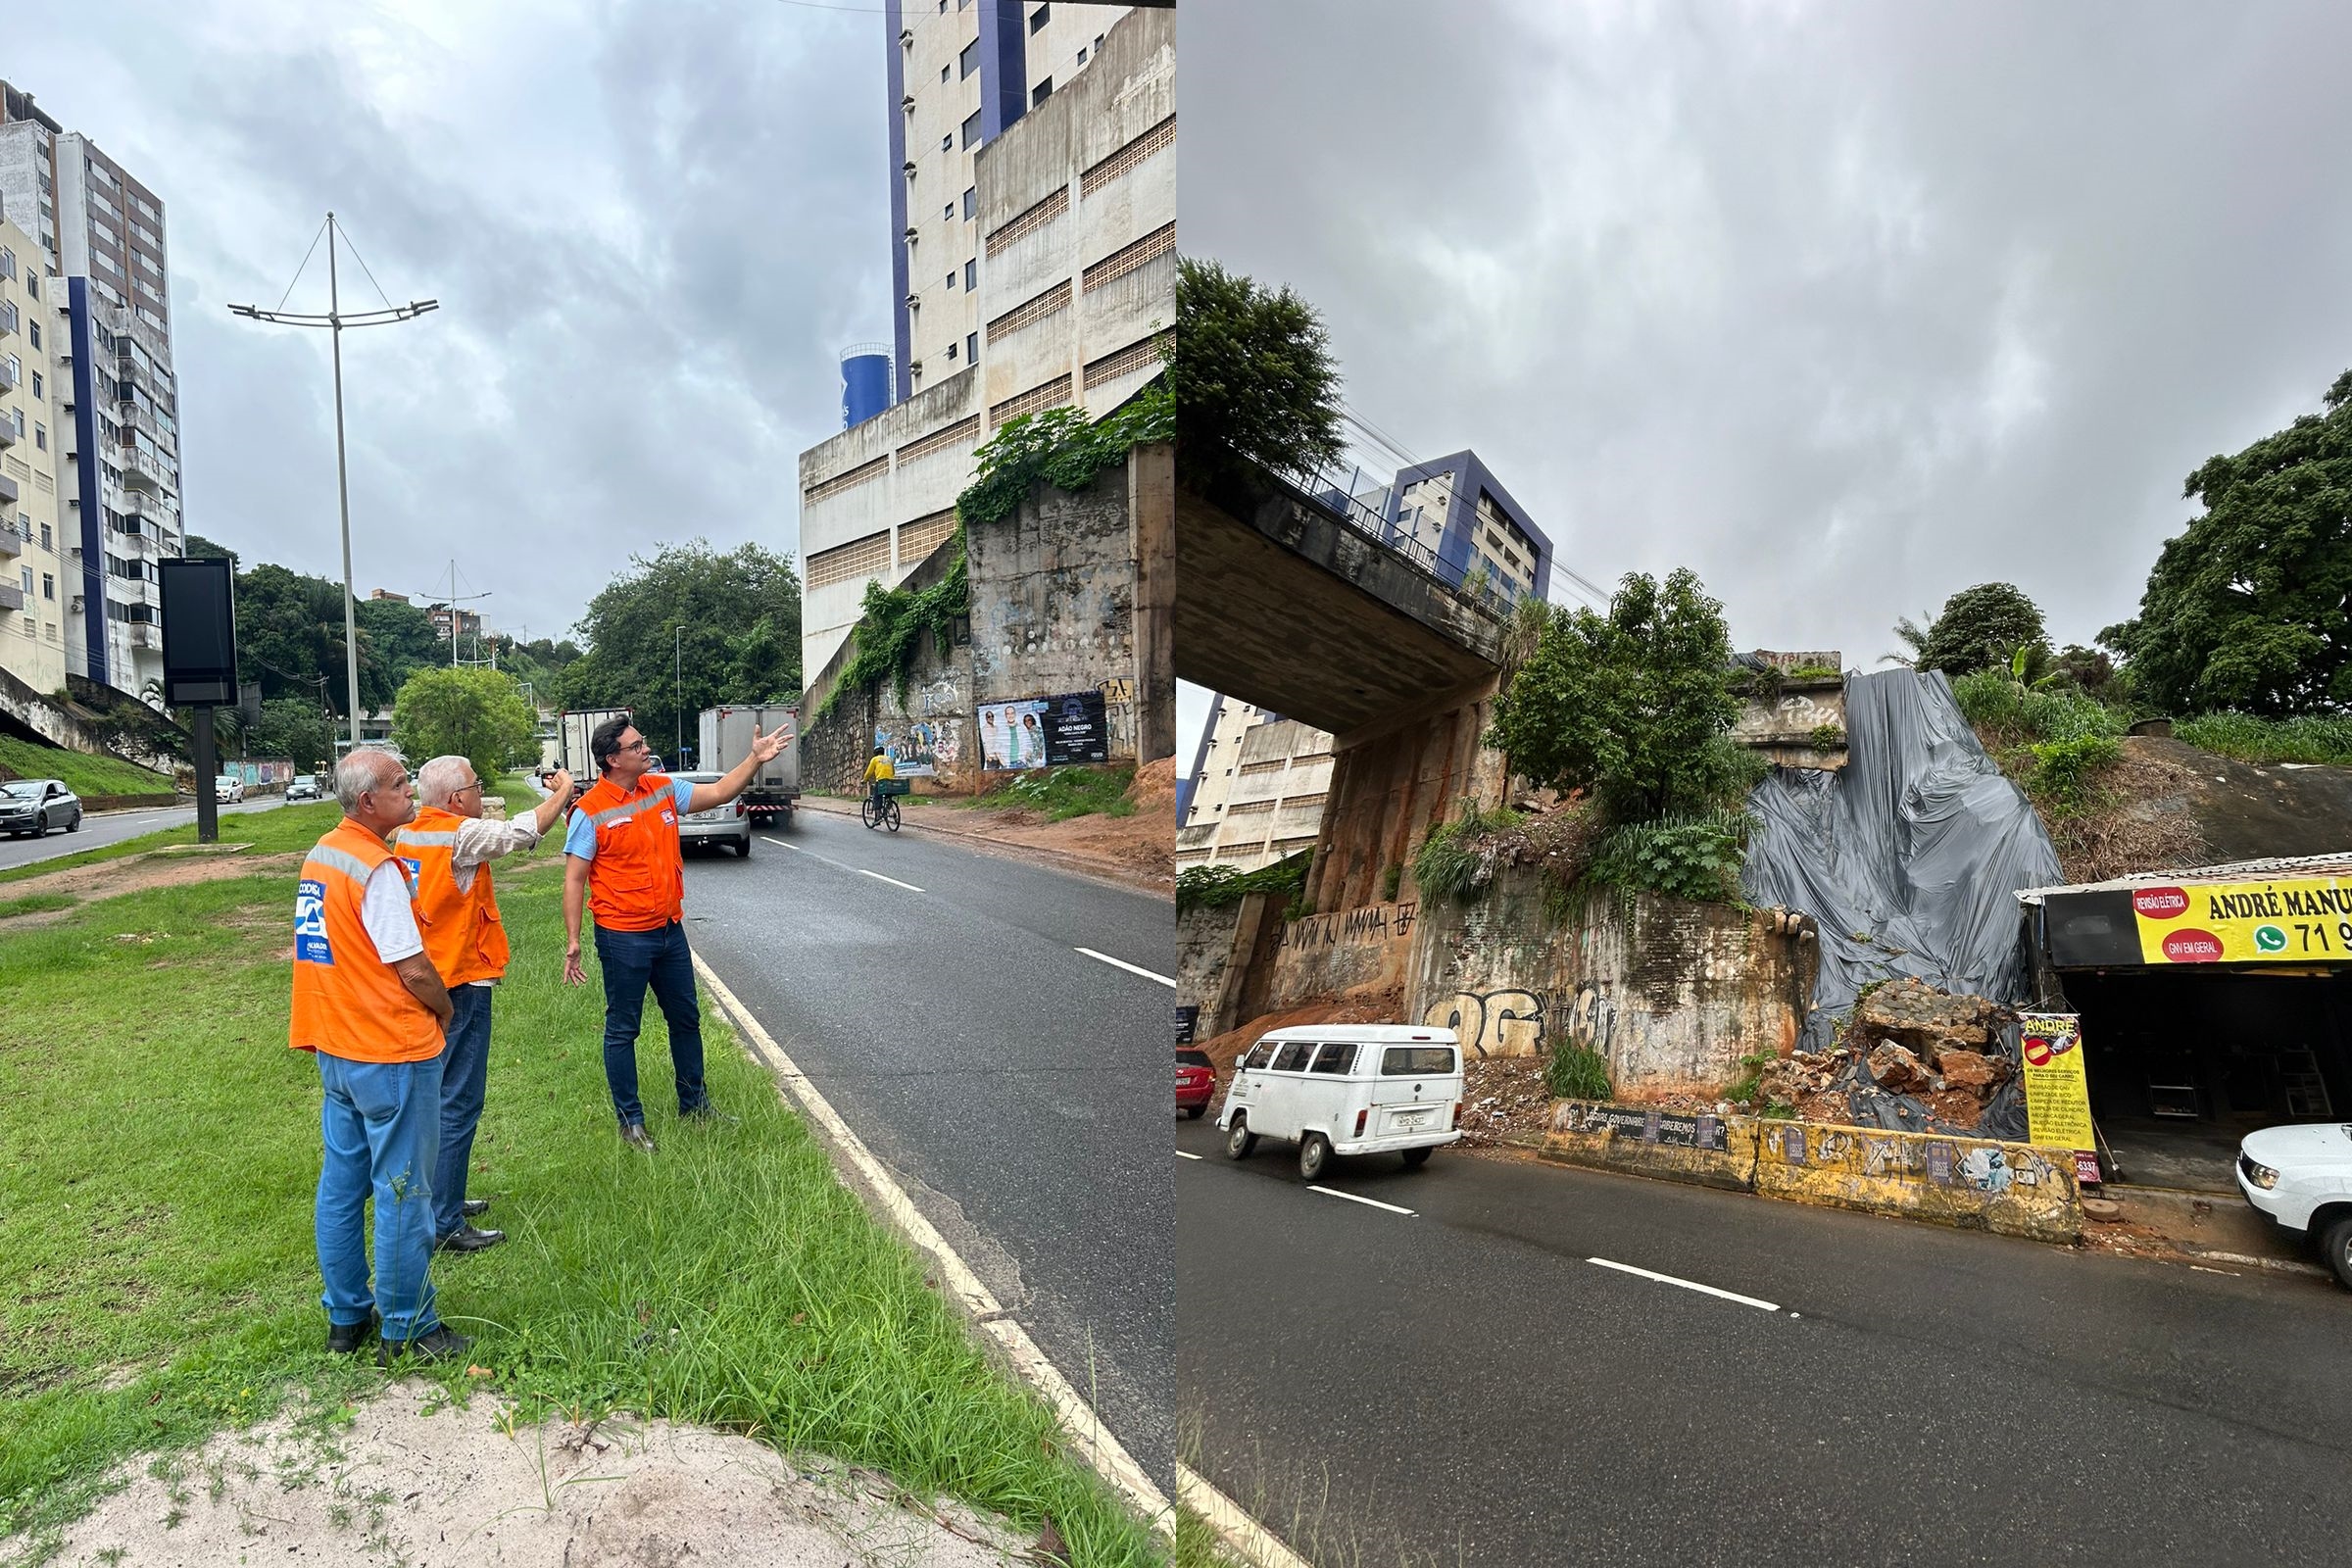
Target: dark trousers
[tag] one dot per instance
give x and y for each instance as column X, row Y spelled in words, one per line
column 464, row 1075
column 632, row 960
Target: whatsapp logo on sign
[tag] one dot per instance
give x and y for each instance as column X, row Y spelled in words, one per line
column 2269, row 938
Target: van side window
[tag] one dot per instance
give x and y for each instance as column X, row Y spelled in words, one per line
column 1294, row 1056
column 1335, row 1058
column 1416, row 1062
column 1259, row 1054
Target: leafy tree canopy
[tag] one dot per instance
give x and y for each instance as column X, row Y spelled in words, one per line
column 1252, row 373
column 1983, row 629
column 731, row 621
column 1632, row 704
column 475, row 713
column 2250, row 607
column 292, row 728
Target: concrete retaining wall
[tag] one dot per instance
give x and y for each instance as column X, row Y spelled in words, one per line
column 1370, row 949
column 1969, row 1183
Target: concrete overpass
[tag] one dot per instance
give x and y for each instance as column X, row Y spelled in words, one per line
column 1297, row 605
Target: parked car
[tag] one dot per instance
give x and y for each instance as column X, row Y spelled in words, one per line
column 302, row 789
column 229, row 789
column 35, row 805
column 2301, row 1177
column 1346, row 1089
column 729, row 825
column 1196, row 1081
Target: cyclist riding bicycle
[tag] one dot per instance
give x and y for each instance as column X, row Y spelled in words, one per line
column 879, row 768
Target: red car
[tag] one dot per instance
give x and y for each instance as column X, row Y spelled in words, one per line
column 1196, row 1082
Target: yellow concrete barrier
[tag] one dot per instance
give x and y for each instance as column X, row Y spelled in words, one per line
column 1703, row 1151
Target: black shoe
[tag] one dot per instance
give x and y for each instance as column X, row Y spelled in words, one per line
column 437, row 1343
column 475, row 1205
column 709, row 1114
column 468, row 1239
column 633, row 1134
column 345, row 1338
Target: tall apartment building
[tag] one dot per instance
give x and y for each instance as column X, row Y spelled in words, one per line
column 1257, row 791
column 101, row 232
column 961, row 74
column 33, row 583
column 1061, row 287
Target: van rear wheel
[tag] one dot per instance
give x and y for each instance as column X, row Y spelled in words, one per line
column 1415, row 1158
column 1315, row 1153
column 1239, row 1139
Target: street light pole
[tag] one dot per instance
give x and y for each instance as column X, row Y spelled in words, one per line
column 677, row 690
column 335, row 321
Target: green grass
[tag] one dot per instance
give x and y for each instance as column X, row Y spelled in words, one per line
column 277, row 832
column 1062, row 793
column 2310, row 738
column 34, row 904
column 158, row 1281
column 82, row 772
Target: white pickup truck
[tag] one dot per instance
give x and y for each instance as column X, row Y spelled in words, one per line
column 2301, row 1177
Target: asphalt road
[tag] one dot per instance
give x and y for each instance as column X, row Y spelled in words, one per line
column 112, row 827
column 1019, row 1088
column 1462, row 1385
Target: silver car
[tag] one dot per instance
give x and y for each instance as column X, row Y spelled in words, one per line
column 730, row 823
column 35, row 805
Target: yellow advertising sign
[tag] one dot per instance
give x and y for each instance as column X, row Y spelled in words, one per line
column 2057, row 1090
column 2292, row 920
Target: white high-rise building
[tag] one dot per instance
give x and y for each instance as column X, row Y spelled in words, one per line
column 108, row 303
column 34, row 587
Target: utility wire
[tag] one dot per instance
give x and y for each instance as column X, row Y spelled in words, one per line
column 362, row 261
column 299, row 271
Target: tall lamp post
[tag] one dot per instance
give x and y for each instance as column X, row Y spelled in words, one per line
column 677, row 689
column 334, row 321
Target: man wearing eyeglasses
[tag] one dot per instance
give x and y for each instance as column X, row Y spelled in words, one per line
column 448, row 849
column 623, row 864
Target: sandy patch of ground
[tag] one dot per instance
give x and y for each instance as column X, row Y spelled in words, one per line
column 140, row 873
column 1139, row 851
column 417, row 1480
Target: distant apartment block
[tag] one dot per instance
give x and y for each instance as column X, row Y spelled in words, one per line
column 36, row 583
column 1256, row 792
column 1063, row 279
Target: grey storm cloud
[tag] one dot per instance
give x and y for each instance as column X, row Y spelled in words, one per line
column 1846, row 306
column 651, row 226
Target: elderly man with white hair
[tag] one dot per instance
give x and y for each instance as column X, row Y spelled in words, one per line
column 449, row 849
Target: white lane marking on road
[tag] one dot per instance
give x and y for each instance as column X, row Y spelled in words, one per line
column 1095, row 1441
column 838, row 866
column 1253, row 1542
column 1122, row 963
column 1687, row 1285
column 1333, row 1191
column 1181, row 1155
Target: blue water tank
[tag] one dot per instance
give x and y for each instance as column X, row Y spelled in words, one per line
column 865, row 382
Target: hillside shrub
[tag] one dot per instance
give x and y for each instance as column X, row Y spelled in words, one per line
column 1576, row 1072
column 2311, row 738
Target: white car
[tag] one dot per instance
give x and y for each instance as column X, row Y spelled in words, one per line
column 2301, row 1177
column 302, row 789
column 1346, row 1089
column 229, row 790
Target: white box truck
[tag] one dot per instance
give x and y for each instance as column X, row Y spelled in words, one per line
column 726, row 740
column 573, row 730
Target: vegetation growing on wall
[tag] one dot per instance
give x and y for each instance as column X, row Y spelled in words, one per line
column 1211, row 887
column 2052, row 739
column 1458, row 857
column 1576, row 1071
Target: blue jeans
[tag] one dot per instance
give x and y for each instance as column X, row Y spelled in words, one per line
column 380, row 1122
column 631, row 960
column 464, row 1075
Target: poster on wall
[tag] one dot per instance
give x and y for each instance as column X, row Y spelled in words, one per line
column 2057, row 1090
column 1013, row 735
column 1076, row 730
column 914, row 749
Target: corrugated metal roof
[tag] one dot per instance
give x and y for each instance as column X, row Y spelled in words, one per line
column 2264, row 871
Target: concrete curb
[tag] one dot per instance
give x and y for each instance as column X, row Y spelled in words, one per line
column 1242, row 1535
column 1093, row 1441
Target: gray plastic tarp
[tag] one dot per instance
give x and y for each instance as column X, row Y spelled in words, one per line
column 1907, row 860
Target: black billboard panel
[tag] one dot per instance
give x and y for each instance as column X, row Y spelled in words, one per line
column 199, row 632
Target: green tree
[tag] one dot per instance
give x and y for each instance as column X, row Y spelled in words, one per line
column 2250, row 606
column 476, row 713
column 1632, row 704
column 199, row 548
column 293, row 727
column 732, row 622
column 1983, row 629
column 290, row 633
column 396, row 641
column 1252, row 374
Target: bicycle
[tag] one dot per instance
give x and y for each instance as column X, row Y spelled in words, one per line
column 881, row 808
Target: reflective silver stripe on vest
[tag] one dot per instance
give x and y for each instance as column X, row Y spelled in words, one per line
column 343, row 860
column 447, row 841
column 628, row 807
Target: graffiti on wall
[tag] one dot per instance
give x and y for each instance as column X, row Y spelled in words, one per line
column 1373, row 923
column 1491, row 1023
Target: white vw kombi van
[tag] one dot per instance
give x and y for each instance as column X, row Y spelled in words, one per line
column 1346, row 1089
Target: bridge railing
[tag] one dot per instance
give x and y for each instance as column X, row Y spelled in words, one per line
column 1341, row 492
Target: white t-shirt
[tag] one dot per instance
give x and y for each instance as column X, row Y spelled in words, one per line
column 389, row 916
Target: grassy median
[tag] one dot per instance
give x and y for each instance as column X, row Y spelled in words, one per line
column 157, row 1279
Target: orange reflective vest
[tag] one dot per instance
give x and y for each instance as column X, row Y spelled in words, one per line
column 462, row 932
column 347, row 1002
column 637, row 881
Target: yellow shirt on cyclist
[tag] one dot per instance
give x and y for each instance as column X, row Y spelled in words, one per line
column 880, row 767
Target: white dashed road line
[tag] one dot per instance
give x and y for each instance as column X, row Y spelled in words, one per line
column 892, row 880
column 1181, row 1155
column 1333, row 1191
column 1687, row 1285
column 1122, row 963
column 824, row 859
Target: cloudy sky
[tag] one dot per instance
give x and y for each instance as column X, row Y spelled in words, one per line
column 651, row 226
column 1845, row 306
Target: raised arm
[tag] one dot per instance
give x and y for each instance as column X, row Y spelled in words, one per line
column 765, row 748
